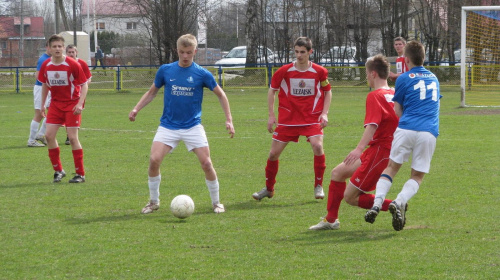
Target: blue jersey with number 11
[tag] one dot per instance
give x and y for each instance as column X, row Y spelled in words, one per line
column 417, row 91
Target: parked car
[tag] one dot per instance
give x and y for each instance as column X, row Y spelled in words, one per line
column 238, row 55
column 341, row 56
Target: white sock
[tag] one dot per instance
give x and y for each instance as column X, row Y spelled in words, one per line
column 33, row 130
column 154, row 188
column 213, row 188
column 410, row 188
column 41, row 132
column 383, row 187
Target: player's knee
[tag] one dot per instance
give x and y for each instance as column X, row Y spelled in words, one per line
column 206, row 165
column 350, row 199
column 155, row 161
column 317, row 148
column 50, row 137
column 338, row 174
column 273, row 156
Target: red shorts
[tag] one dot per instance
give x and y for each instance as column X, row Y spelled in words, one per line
column 60, row 117
column 373, row 162
column 286, row 134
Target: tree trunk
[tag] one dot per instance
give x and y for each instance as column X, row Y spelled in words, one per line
column 252, row 31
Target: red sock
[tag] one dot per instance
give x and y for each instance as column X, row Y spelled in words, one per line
column 335, row 195
column 78, row 159
column 271, row 171
column 366, row 201
column 319, row 169
column 55, row 159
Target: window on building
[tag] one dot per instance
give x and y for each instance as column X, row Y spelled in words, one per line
column 3, row 45
column 132, row 25
column 100, row 26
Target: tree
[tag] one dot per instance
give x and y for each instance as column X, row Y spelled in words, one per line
column 166, row 21
column 252, row 30
column 393, row 15
column 107, row 40
column 337, row 26
column 361, row 11
column 430, row 21
column 225, row 24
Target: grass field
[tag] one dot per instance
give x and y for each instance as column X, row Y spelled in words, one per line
column 95, row 230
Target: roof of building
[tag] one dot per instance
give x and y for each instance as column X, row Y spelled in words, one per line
column 8, row 24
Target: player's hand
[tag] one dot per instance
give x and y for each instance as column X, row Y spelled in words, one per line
column 132, row 115
column 323, row 120
column 393, row 76
column 77, row 110
column 353, row 156
column 42, row 111
column 270, row 124
column 230, row 128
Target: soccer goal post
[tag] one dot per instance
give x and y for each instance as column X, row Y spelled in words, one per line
column 480, row 56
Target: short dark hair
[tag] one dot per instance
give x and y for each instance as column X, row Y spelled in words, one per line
column 54, row 38
column 303, row 42
column 415, row 52
column 379, row 64
column 400, row 39
column 71, row 46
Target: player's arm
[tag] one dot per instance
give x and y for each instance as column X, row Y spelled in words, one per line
column 355, row 154
column 394, row 76
column 323, row 118
column 398, row 108
column 45, row 92
column 270, row 105
column 83, row 94
column 224, row 102
column 145, row 100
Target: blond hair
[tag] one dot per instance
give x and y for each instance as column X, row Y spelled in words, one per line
column 187, row 40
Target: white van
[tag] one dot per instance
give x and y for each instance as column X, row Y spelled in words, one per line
column 238, row 55
column 339, row 56
column 343, row 57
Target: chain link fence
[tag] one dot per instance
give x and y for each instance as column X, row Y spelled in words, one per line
column 127, row 78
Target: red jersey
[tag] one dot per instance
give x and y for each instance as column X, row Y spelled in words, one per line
column 301, row 94
column 380, row 111
column 64, row 81
column 85, row 68
column 401, row 66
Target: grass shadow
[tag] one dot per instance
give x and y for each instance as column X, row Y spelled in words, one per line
column 267, row 204
column 313, row 237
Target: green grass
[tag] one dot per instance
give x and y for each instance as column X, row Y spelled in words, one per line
column 95, row 230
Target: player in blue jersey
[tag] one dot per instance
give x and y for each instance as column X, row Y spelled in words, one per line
column 416, row 102
column 35, row 133
column 184, row 81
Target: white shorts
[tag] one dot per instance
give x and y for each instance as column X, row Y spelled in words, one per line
column 421, row 144
column 37, row 98
column 194, row 137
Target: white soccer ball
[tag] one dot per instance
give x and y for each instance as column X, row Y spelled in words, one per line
column 182, row 206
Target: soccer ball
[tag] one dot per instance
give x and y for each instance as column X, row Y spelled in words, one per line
column 182, row 206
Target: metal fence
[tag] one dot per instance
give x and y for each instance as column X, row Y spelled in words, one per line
column 127, row 78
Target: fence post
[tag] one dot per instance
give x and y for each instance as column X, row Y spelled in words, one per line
column 219, row 72
column 269, row 74
column 17, row 79
column 118, row 78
